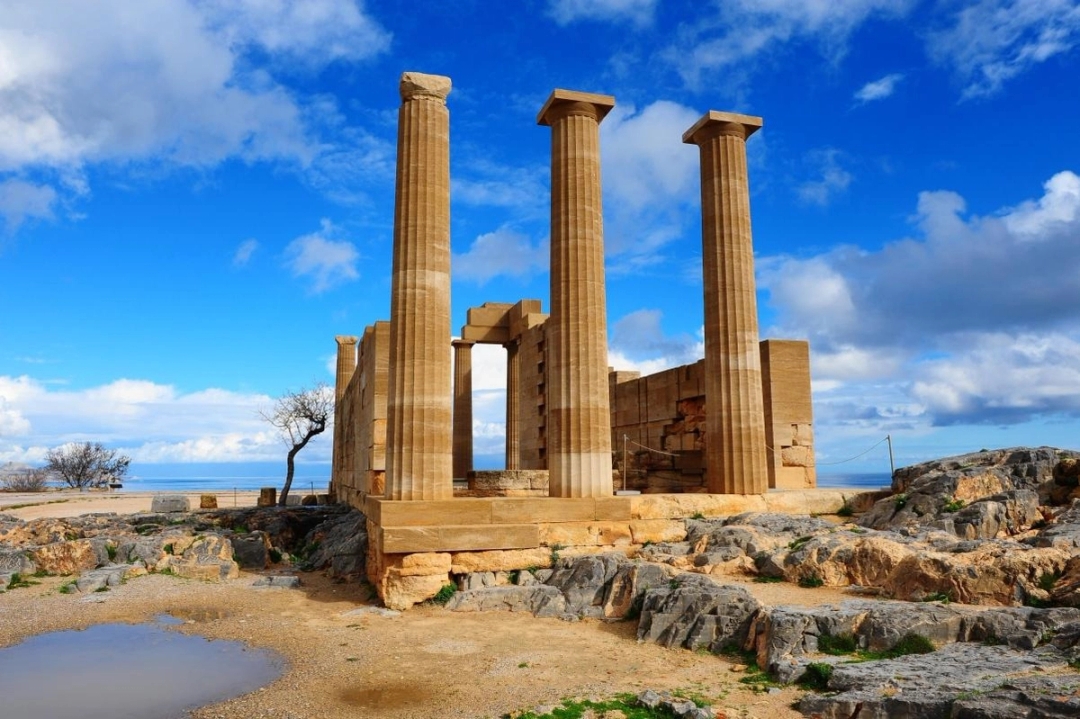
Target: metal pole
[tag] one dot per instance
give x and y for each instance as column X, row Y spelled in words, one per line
column 892, row 465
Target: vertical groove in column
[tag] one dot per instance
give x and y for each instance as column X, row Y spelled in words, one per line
column 419, row 447
column 735, row 420
column 579, row 418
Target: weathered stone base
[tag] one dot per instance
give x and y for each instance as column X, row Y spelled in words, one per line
column 508, row 483
column 415, row 547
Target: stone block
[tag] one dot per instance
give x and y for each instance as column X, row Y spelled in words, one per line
column 613, row 534
column 612, row 508
column 169, row 503
column 657, row 530
column 267, row 497
column 208, row 501
column 424, row 563
column 813, row 501
column 402, row 592
column 503, row 560
column 551, row 509
column 792, row 478
column 416, row 513
column 568, row 534
column 796, row 457
column 403, row 540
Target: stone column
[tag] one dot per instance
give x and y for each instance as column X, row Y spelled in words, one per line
column 579, row 416
column 513, row 405
column 419, row 444
column 735, row 461
column 346, row 366
column 463, row 416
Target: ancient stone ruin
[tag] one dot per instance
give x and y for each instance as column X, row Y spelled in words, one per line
column 730, row 427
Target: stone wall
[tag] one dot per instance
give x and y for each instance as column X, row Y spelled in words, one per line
column 363, row 411
column 533, row 400
column 665, row 412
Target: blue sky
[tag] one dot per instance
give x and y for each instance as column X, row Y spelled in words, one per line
column 196, row 196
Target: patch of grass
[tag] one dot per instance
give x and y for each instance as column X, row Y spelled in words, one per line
column 900, row 501
column 942, row 597
column 817, row 676
column 798, row 543
column 169, row 572
column 513, row 575
column 41, row 573
column 837, row 644
column 578, row 708
column 811, row 581
column 240, row 529
column 444, row 594
column 697, row 515
column 555, row 549
column 102, row 589
column 275, row 555
column 71, row 536
column 1048, row 580
column 954, row 505
column 18, row 581
column 110, row 549
column 523, row 665
column 168, row 549
column 845, row 511
column 857, row 530
column 1036, row 603
column 910, row 643
column 68, row 588
column 762, row 579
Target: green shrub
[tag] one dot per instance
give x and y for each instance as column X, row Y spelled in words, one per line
column 837, row 644
column 68, row 588
column 444, row 594
column 275, row 555
column 697, row 515
column 912, row 643
column 845, row 511
column 110, row 548
column 811, row 581
column 954, row 505
column 762, row 579
column 817, row 676
column 797, row 543
column 901, row 501
column 1048, row 580
column 168, row 549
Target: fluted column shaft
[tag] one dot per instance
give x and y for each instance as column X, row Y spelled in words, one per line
column 463, row 409
column 579, row 416
column 513, row 405
column 735, row 458
column 346, row 366
column 419, row 444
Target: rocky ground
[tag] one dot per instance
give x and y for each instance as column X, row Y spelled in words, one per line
column 956, row 597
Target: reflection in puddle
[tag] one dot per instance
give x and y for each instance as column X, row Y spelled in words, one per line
column 199, row 614
column 386, row 696
column 122, row 671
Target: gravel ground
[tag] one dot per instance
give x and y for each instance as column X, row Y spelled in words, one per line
column 347, row 659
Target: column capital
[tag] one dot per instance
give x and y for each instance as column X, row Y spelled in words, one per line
column 457, row 344
column 420, row 86
column 714, row 123
column 564, row 102
column 347, row 340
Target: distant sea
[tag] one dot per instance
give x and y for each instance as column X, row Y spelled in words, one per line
column 222, row 477
column 873, row 480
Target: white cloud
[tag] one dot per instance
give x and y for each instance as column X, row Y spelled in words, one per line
column 833, row 179
column 650, row 177
column 244, row 252
column 742, row 29
column 327, row 262
column 639, row 339
column 171, row 81
column 150, row 422
column 879, row 89
column 975, row 319
column 503, row 252
column 313, row 33
column 565, row 12
column 990, row 42
column 21, row 200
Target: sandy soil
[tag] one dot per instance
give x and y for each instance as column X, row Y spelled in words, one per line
column 72, row 503
column 347, row 660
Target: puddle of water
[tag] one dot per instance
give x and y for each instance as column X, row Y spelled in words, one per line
column 127, row 671
column 386, row 696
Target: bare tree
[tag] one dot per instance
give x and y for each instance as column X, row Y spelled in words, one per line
column 299, row 416
column 24, row 479
column 86, row 464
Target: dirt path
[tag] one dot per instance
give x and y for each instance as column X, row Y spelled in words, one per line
column 427, row 662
